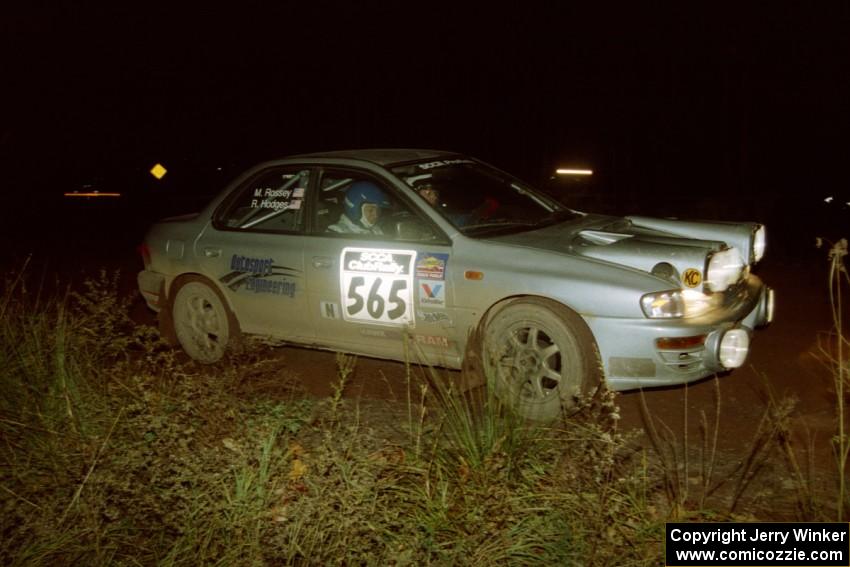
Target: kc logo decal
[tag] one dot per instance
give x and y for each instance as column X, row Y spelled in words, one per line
column 692, row 277
column 432, row 294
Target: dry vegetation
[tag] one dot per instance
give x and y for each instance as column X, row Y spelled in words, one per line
column 115, row 451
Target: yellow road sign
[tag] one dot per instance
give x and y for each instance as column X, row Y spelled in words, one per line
column 158, row 171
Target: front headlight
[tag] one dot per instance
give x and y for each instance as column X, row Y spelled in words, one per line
column 759, row 243
column 724, row 269
column 697, row 303
column 663, row 304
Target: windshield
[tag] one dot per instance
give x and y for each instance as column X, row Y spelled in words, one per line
column 478, row 199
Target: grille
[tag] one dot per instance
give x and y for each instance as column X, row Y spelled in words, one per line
column 683, row 360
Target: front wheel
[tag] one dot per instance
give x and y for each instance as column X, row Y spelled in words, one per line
column 201, row 320
column 541, row 357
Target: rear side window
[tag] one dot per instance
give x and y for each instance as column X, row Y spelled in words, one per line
column 273, row 201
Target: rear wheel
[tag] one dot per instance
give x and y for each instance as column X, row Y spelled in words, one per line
column 541, row 357
column 202, row 321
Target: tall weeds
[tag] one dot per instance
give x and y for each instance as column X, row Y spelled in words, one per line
column 838, row 358
column 52, row 420
column 41, row 376
column 116, row 452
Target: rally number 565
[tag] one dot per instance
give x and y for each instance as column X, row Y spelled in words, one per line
column 377, row 286
column 374, row 302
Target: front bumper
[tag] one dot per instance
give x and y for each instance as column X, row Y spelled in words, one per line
column 632, row 358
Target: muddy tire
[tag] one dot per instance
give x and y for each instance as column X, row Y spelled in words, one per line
column 540, row 357
column 202, row 322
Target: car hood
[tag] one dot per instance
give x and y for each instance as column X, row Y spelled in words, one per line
column 642, row 243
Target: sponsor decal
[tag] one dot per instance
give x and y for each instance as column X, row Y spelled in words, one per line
column 381, row 261
column 692, row 277
column 442, row 163
column 259, row 275
column 381, row 333
column 276, row 287
column 256, row 266
column 431, row 340
column 377, row 286
column 435, row 317
column 329, row 310
column 431, row 266
column 432, row 294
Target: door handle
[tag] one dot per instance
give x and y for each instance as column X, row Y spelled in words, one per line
column 212, row 252
column 322, row 262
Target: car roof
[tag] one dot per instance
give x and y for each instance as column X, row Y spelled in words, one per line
column 383, row 157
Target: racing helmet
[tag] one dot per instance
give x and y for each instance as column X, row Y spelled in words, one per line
column 362, row 192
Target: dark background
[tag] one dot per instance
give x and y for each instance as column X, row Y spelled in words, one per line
column 699, row 110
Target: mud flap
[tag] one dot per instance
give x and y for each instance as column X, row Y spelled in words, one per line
column 472, row 370
column 165, row 319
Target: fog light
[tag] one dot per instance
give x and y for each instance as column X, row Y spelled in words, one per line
column 734, row 347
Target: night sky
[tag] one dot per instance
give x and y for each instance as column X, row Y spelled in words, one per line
column 708, row 107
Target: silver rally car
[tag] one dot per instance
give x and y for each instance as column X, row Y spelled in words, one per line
column 395, row 253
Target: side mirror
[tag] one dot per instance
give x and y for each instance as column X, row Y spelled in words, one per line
column 413, row 228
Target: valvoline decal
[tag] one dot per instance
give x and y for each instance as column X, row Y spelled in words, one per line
column 432, row 294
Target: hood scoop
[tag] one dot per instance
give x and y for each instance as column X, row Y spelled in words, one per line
column 603, row 238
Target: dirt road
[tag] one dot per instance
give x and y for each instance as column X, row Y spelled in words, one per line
column 783, row 362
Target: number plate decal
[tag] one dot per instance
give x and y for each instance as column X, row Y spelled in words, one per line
column 377, row 286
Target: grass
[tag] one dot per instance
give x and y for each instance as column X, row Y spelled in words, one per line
column 116, row 451
column 836, row 355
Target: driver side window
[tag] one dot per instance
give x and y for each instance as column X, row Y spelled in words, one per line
column 354, row 205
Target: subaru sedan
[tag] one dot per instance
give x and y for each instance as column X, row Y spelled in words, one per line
column 431, row 255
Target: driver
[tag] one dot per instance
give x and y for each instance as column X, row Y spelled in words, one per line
column 363, row 204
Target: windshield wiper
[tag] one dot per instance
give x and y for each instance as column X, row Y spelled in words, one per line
column 498, row 225
column 556, row 217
